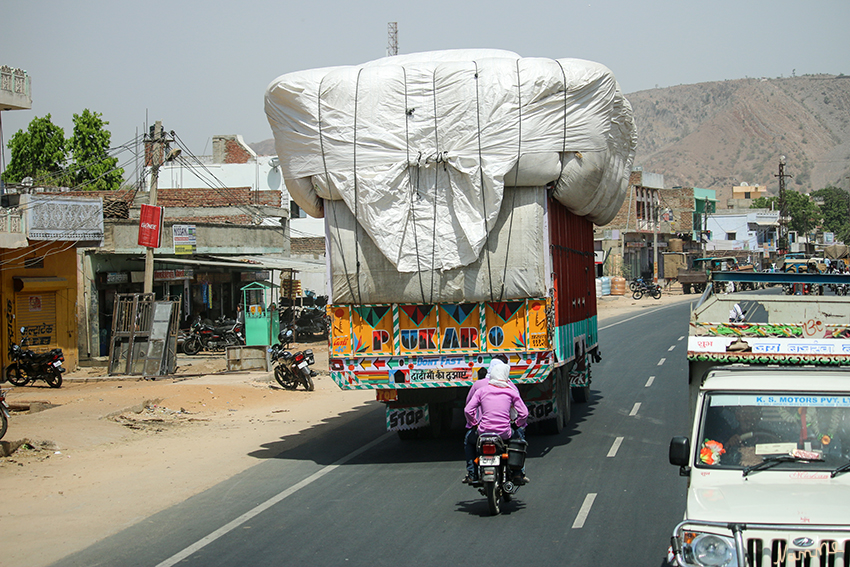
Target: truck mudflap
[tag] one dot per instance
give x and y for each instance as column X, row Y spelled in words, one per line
column 761, row 544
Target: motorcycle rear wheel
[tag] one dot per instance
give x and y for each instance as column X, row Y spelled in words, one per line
column 16, row 376
column 192, row 346
column 638, row 293
column 656, row 293
column 493, row 492
column 4, row 424
column 308, row 383
column 53, row 378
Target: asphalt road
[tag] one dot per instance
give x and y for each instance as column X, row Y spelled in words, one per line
column 602, row 491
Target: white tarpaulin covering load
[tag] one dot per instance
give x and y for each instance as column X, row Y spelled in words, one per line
column 420, row 147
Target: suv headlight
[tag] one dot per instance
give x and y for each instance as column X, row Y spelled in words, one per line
column 709, row 550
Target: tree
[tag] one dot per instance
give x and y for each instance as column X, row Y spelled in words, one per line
column 805, row 214
column 836, row 211
column 40, row 153
column 93, row 167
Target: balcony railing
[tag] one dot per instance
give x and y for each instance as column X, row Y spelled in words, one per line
column 15, row 81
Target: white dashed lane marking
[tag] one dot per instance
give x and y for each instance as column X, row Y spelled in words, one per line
column 650, row 381
column 635, row 409
column 662, row 361
column 581, row 518
column 612, row 452
column 671, row 348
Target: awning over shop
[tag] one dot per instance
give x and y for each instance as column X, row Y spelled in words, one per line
column 268, row 262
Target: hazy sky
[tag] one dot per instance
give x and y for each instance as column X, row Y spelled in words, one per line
column 202, row 66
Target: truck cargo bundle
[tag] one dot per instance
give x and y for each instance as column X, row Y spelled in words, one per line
column 459, row 190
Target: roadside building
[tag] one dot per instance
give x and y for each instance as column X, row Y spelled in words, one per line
column 40, row 235
column 748, row 234
column 224, row 227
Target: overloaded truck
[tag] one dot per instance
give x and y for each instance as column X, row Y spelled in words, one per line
column 768, row 457
column 459, row 191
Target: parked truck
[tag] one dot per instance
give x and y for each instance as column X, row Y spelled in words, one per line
column 459, row 191
column 769, row 450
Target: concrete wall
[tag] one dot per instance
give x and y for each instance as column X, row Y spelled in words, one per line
column 121, row 237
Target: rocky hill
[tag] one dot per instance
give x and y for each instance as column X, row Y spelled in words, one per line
column 720, row 134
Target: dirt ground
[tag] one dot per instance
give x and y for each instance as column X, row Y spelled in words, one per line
column 99, row 455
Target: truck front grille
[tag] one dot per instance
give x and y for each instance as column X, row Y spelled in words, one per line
column 778, row 553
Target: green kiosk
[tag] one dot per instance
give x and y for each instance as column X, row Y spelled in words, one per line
column 262, row 320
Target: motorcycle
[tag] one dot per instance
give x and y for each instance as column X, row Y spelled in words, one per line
column 648, row 288
column 203, row 336
column 499, row 467
column 311, row 322
column 27, row 366
column 4, row 412
column 292, row 369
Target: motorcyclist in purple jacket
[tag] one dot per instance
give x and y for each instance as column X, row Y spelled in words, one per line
column 488, row 409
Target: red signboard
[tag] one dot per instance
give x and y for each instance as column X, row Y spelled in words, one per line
column 150, row 226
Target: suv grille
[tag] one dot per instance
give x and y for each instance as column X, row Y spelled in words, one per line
column 777, row 553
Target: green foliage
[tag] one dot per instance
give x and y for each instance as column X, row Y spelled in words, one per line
column 93, row 168
column 835, row 211
column 40, row 153
column 803, row 212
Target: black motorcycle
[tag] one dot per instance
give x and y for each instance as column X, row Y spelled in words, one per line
column 499, row 468
column 311, row 321
column 203, row 336
column 27, row 366
column 292, row 369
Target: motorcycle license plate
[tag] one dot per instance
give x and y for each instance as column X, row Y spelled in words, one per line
column 488, row 461
column 302, row 364
column 57, row 363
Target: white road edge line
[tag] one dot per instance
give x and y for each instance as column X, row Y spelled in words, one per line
column 662, row 361
column 203, row 542
column 584, row 511
column 612, row 452
column 634, row 409
column 650, row 381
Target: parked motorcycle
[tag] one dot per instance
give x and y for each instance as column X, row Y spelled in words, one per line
column 499, row 468
column 4, row 412
column 646, row 288
column 203, row 336
column 311, row 321
column 27, row 366
column 292, row 369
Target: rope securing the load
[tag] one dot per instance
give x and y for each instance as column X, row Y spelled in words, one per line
column 414, row 186
column 516, row 176
column 328, row 181
column 481, row 181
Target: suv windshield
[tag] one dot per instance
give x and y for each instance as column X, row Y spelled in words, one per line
column 742, row 430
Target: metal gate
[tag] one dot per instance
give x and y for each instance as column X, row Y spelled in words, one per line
column 144, row 335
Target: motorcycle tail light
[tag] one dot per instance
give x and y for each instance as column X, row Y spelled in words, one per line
column 488, row 449
column 299, row 357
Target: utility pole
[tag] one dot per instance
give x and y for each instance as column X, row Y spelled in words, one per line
column 782, row 220
column 157, row 159
column 654, row 236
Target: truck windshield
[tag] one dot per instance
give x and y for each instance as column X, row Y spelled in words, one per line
column 741, row 430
